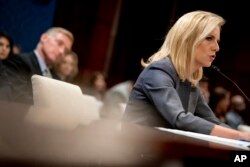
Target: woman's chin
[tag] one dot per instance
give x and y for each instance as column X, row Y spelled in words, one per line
column 207, row 65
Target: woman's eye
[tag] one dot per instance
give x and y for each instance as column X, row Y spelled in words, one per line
column 209, row 38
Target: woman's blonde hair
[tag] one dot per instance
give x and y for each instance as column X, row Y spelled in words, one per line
column 75, row 70
column 182, row 40
column 75, row 64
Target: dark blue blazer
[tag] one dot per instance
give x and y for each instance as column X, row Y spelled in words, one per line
column 160, row 98
column 15, row 78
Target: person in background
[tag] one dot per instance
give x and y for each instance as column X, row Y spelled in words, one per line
column 166, row 93
column 115, row 100
column 67, row 69
column 15, row 85
column 17, row 49
column 219, row 103
column 97, row 86
column 237, row 108
column 6, row 46
column 204, row 87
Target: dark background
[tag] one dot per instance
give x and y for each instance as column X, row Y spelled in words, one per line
column 113, row 35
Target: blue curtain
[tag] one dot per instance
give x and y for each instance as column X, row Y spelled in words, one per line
column 26, row 20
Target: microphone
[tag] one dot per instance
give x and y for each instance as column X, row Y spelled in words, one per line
column 219, row 71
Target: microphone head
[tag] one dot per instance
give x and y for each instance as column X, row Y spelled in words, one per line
column 215, row 68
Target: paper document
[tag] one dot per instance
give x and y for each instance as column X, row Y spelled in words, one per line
column 220, row 140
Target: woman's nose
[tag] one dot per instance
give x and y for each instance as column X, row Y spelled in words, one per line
column 216, row 47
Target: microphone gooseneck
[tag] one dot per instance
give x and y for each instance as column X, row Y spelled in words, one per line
column 219, row 71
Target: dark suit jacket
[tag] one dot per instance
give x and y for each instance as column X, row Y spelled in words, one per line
column 15, row 79
column 160, row 98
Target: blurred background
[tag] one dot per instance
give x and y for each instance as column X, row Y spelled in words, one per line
column 112, row 36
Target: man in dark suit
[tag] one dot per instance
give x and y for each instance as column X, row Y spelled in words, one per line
column 15, row 77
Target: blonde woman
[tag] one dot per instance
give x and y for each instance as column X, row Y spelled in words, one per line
column 166, row 93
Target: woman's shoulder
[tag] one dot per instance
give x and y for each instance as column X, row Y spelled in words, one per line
column 160, row 69
column 165, row 61
column 165, row 65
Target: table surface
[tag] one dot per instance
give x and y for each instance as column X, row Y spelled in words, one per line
column 102, row 143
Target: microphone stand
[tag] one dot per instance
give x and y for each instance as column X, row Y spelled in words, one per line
column 219, row 71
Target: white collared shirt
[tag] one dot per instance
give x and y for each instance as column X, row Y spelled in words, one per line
column 45, row 70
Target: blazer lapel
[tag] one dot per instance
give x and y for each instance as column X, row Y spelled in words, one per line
column 32, row 61
column 183, row 90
